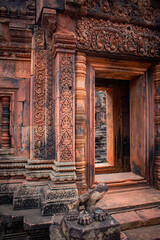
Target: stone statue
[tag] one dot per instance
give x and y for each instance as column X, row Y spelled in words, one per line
column 83, row 212
column 84, row 209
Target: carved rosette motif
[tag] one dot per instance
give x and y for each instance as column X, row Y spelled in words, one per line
column 66, row 108
column 108, row 37
column 39, row 96
column 156, row 77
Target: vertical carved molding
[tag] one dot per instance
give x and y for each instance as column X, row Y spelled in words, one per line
column 80, row 95
column 65, row 107
column 5, row 139
column 50, row 129
column 39, row 95
column 64, row 50
column 156, row 76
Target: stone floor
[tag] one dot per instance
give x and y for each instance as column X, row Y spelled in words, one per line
column 137, row 211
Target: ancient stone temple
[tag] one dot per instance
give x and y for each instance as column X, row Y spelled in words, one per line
column 79, row 81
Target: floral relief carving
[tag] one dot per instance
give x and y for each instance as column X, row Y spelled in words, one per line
column 39, row 96
column 105, row 36
column 134, row 11
column 66, row 108
column 50, row 108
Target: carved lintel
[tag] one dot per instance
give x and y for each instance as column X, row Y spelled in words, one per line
column 99, row 35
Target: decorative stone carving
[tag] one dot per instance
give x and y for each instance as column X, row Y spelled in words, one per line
column 57, row 199
column 66, row 108
column 108, row 37
column 50, row 144
column 88, row 201
column 74, row 226
column 39, row 96
column 5, row 138
column 26, row 197
column 139, row 12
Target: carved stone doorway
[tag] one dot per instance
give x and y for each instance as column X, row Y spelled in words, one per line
column 130, row 91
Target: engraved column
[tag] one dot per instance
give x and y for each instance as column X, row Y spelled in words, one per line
column 80, row 94
column 156, row 77
column 64, row 52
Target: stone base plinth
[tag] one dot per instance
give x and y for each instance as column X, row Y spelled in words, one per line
column 71, row 230
column 56, row 199
column 26, row 197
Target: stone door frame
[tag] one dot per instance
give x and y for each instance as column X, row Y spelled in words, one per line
column 94, row 69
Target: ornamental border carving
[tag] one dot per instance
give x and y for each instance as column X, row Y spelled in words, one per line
column 39, row 95
column 66, row 108
column 50, row 129
column 116, row 38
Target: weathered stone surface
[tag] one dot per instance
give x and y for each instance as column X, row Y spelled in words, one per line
column 147, row 233
column 56, row 200
column 108, row 229
column 135, row 199
column 55, row 233
column 48, row 81
column 150, row 216
column 128, row 220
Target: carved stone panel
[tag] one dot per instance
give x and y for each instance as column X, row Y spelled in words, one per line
column 65, row 107
column 140, row 12
column 99, row 35
column 50, row 106
column 39, row 96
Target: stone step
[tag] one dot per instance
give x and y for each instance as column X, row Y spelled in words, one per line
column 134, row 219
column 147, row 233
column 128, row 200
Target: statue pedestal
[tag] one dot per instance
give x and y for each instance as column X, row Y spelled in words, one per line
column 107, row 230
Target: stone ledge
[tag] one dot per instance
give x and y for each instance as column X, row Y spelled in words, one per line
column 135, row 219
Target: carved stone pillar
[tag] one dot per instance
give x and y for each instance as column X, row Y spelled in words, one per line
column 80, row 94
column 5, row 139
column 62, row 189
column 156, row 76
